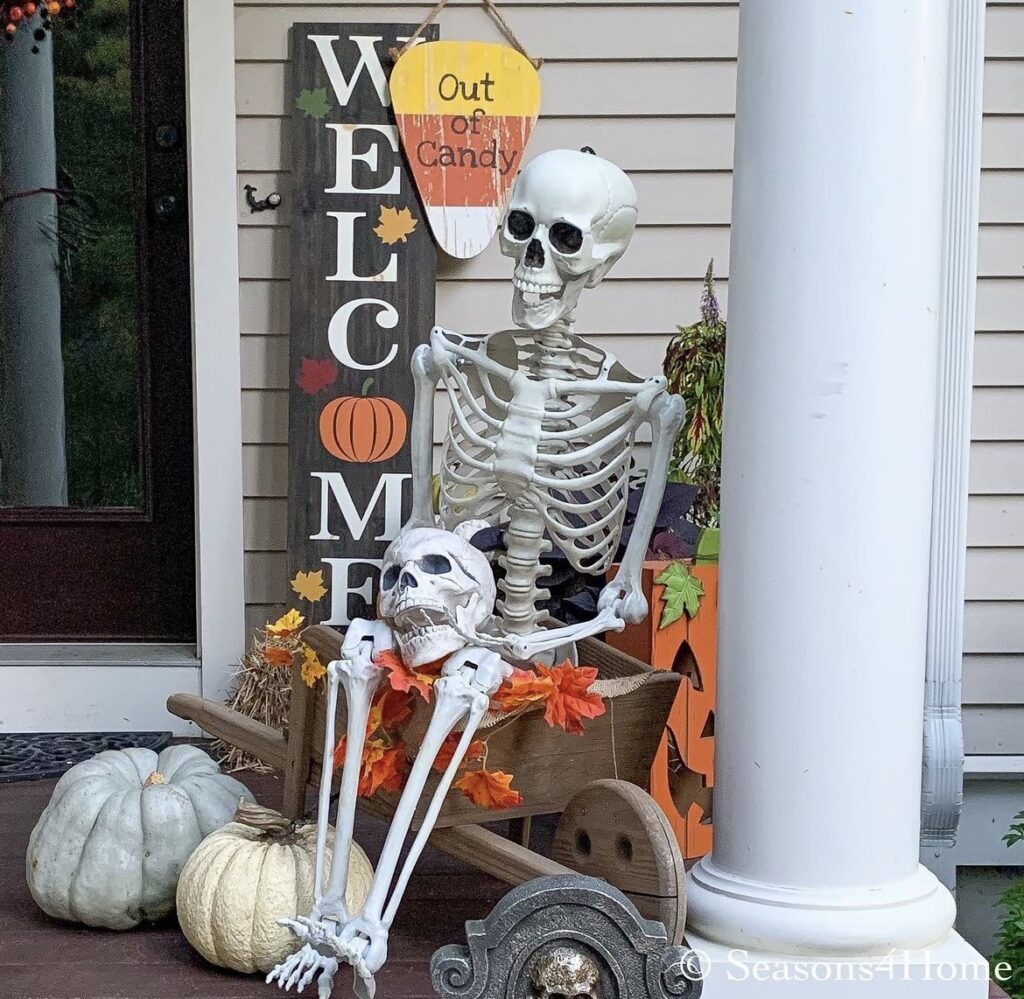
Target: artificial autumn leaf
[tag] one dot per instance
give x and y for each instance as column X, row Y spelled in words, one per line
column 383, row 768
column 275, row 655
column 476, row 751
column 314, row 103
column 402, row 678
column 391, row 709
column 571, row 700
column 683, row 591
column 312, row 669
column 309, row 585
column 489, row 790
column 315, row 375
column 286, row 625
column 395, row 225
column 522, row 688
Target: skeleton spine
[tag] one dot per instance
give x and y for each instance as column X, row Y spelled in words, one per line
column 524, row 545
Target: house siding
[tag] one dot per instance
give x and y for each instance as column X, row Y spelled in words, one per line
column 652, row 87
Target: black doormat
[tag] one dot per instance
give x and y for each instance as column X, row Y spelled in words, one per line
column 37, row 755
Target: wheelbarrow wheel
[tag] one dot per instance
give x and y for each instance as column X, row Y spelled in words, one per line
column 614, row 830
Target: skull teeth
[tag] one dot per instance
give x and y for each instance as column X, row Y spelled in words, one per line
column 535, row 288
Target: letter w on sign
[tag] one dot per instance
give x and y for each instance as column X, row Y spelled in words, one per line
column 362, row 299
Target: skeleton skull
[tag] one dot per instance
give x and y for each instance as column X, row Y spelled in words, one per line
column 570, row 217
column 427, row 573
column 565, row 973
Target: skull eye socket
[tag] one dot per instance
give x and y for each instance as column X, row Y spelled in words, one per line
column 520, row 224
column 435, row 564
column 566, row 238
column 390, row 577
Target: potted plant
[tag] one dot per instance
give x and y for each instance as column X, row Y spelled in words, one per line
column 681, row 579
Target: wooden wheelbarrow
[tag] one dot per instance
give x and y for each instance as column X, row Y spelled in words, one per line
column 609, row 826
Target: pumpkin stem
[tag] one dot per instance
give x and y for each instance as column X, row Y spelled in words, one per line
column 266, row 820
column 367, row 385
column 155, row 778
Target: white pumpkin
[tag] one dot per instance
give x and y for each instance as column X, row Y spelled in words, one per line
column 109, row 847
column 247, row 876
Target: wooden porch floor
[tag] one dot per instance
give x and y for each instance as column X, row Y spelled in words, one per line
column 42, row 958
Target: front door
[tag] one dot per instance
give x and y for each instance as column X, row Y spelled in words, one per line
column 96, row 477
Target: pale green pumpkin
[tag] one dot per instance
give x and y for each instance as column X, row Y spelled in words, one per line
column 110, row 846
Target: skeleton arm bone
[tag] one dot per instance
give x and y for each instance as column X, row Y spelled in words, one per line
column 426, row 374
column 624, row 593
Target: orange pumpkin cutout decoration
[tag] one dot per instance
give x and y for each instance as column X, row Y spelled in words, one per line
column 363, row 429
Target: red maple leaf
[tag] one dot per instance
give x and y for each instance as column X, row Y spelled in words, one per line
column 489, row 790
column 404, row 679
column 315, row 375
column 571, row 701
column 277, row 656
column 476, row 751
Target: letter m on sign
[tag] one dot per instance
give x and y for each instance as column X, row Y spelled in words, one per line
column 357, row 312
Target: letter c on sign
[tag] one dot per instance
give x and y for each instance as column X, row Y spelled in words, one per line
column 337, row 332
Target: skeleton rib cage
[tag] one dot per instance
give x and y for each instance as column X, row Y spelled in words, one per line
column 544, row 423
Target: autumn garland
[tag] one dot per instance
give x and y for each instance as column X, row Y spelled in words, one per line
column 563, row 692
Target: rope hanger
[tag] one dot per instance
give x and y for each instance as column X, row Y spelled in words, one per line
column 492, row 9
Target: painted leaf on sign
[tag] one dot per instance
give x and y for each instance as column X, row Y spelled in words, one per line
column 465, row 111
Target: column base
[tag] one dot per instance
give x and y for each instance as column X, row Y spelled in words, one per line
column 951, row 969
column 905, row 915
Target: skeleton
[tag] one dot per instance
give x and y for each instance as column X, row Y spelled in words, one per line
column 565, row 973
column 540, row 442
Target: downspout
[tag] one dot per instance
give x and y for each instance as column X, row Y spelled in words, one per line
column 942, row 792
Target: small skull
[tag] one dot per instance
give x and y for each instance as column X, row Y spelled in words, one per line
column 570, row 217
column 427, row 573
column 565, row 973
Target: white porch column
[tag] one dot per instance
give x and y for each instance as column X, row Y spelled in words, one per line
column 826, row 490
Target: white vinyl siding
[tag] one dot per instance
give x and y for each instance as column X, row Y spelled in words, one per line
column 652, row 87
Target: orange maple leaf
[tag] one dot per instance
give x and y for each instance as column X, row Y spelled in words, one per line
column 395, row 225
column 476, row 751
column 402, row 678
column 522, row 688
column 277, row 656
column 489, row 790
column 571, row 701
column 383, row 766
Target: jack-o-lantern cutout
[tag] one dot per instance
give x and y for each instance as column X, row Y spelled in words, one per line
column 363, row 429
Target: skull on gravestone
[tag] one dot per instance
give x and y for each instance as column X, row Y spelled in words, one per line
column 428, row 573
column 571, row 215
column 565, row 973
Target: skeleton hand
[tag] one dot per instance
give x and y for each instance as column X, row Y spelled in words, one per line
column 624, row 596
column 315, row 957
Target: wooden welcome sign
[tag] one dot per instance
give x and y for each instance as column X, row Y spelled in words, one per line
column 362, row 298
column 465, row 111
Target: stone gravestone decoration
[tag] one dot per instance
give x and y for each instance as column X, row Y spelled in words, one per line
column 362, row 299
column 570, row 936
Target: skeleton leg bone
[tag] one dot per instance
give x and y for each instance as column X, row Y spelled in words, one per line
column 357, row 674
column 468, row 681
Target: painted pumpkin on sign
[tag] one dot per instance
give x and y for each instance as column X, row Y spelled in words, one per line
column 363, row 428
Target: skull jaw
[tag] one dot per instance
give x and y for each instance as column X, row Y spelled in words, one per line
column 422, row 645
column 550, row 309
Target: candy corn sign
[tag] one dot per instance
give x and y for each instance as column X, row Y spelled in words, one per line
column 465, row 111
